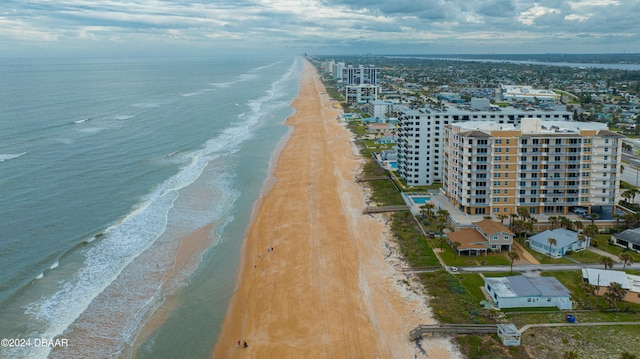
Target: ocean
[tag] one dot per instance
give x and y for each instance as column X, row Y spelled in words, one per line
column 126, row 189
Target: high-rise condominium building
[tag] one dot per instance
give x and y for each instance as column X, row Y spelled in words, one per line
column 361, row 75
column 546, row 166
column 421, row 136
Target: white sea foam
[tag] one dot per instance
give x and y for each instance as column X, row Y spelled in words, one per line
column 91, row 130
column 124, row 241
column 267, row 66
column 10, row 156
column 247, row 77
column 54, row 265
column 189, row 94
column 222, row 84
column 124, row 117
column 40, row 276
column 80, row 121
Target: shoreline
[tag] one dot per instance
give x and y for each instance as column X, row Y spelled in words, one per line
column 326, row 289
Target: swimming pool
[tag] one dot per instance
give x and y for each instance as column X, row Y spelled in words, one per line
column 393, row 165
column 420, row 200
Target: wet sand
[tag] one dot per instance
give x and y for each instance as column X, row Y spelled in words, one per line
column 330, row 288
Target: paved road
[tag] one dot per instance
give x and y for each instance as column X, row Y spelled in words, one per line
column 590, row 324
column 542, row 267
column 630, row 175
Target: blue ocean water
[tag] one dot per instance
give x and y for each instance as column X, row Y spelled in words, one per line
column 106, row 166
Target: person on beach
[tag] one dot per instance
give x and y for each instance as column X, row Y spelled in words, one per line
column 238, row 343
column 245, row 345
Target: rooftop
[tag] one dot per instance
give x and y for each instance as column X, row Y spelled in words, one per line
column 491, row 227
column 546, row 127
column 630, row 235
column 563, row 237
column 521, row 286
column 602, row 278
column 468, row 239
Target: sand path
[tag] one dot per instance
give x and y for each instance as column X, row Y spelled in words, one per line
column 325, row 291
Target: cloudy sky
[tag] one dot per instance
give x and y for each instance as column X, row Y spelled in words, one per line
column 209, row 27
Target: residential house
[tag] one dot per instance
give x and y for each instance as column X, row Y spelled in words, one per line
column 628, row 239
column 387, row 138
column 601, row 279
column 521, row 292
column 380, row 128
column 484, row 236
column 566, row 240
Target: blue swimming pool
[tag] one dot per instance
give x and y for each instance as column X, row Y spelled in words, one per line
column 393, row 165
column 420, row 200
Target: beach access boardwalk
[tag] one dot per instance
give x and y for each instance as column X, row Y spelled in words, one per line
column 423, row 329
column 383, row 209
column 371, row 178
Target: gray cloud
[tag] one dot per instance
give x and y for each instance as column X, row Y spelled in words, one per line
column 407, row 26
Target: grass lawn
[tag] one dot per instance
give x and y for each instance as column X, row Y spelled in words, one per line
column 498, row 274
column 451, row 259
column 585, row 257
column 473, row 283
column 545, row 259
column 613, row 249
column 454, row 300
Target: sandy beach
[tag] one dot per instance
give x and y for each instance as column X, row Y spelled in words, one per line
column 331, row 287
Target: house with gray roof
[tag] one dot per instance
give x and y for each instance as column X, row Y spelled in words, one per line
column 521, row 292
column 566, row 240
column 601, row 279
column 628, row 239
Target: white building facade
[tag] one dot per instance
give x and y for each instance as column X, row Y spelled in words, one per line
column 361, row 75
column 360, row 94
column 421, row 137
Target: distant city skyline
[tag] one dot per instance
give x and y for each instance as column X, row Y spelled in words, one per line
column 277, row 27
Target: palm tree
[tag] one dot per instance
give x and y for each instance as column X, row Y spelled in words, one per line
column 618, row 217
column 552, row 242
column 554, row 221
column 513, row 256
column 427, row 210
column 626, row 259
column 523, row 212
column 606, row 261
column 593, row 217
column 456, row 245
column 442, row 216
column 591, row 231
column 632, row 192
column 513, row 216
column 614, row 294
column 502, row 217
column 442, row 239
column 578, row 225
column 582, row 239
column 588, row 290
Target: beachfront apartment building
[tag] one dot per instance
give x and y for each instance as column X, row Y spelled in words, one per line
column 421, row 136
column 548, row 167
column 361, row 75
column 360, row 94
column 380, row 108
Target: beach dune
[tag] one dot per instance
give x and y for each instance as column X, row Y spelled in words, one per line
column 324, row 290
